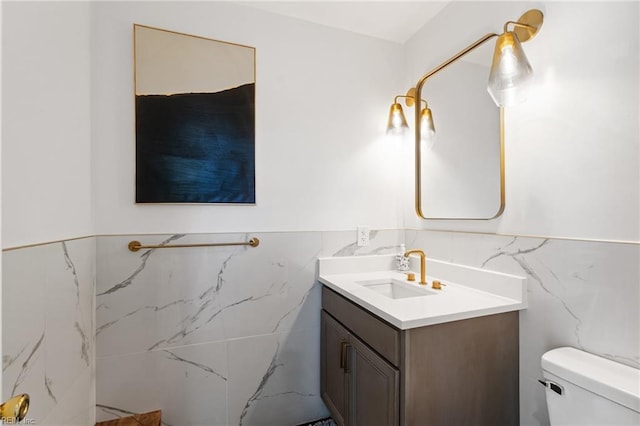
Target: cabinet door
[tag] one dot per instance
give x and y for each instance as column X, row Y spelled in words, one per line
column 333, row 378
column 375, row 388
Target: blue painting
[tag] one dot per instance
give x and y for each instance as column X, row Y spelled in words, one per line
column 195, row 119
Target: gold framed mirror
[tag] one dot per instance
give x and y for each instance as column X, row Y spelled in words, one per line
column 462, row 170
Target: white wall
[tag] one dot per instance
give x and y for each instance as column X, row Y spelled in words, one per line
column 1, row 297
column 322, row 96
column 322, row 99
column 45, row 135
column 572, row 151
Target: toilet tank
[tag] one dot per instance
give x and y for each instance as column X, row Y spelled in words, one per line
column 585, row 389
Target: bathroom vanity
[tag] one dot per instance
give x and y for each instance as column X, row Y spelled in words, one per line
column 392, row 357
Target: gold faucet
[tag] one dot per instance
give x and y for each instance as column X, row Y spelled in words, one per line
column 423, row 264
column 15, row 409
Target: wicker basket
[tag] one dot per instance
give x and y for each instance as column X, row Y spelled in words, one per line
column 146, row 419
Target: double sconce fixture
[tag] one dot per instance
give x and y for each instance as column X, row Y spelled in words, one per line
column 397, row 123
column 510, row 72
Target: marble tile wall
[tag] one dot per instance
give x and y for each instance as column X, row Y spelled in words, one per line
column 215, row 336
column 230, row 335
column 581, row 294
column 48, row 330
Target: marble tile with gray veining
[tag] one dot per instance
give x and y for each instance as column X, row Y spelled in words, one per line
column 48, row 316
column 188, row 384
column 343, row 243
column 589, row 286
column 69, row 291
column 149, row 308
column 262, row 306
column 23, row 311
column 161, row 297
column 278, row 284
column 176, row 297
column 436, row 244
column 270, row 379
column 76, row 405
column 24, row 276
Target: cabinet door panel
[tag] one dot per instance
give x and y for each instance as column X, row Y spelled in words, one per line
column 375, row 388
column 333, row 380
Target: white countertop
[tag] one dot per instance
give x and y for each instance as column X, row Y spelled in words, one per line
column 469, row 292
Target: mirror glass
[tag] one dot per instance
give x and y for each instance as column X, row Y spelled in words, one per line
column 462, row 172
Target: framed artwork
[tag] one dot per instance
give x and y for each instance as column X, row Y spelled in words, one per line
column 195, row 119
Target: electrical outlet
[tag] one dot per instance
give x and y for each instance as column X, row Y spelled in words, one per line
column 362, row 236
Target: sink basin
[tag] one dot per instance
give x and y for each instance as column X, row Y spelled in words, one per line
column 395, row 289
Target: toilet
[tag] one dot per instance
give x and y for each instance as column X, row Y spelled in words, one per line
column 585, row 389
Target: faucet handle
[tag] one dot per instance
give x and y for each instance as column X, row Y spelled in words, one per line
column 437, row 285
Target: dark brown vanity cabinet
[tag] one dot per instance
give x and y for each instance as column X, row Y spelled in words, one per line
column 358, row 385
column 456, row 373
column 334, row 375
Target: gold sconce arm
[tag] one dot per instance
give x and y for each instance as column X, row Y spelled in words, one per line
column 409, row 98
column 516, row 24
column 527, row 26
column 15, row 409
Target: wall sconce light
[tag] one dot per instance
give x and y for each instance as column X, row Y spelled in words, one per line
column 397, row 123
column 510, row 72
column 428, row 128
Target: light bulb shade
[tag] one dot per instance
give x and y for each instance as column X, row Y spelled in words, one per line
column 510, row 73
column 427, row 128
column 397, row 123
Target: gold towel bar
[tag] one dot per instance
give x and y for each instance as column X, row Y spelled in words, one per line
column 137, row 245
